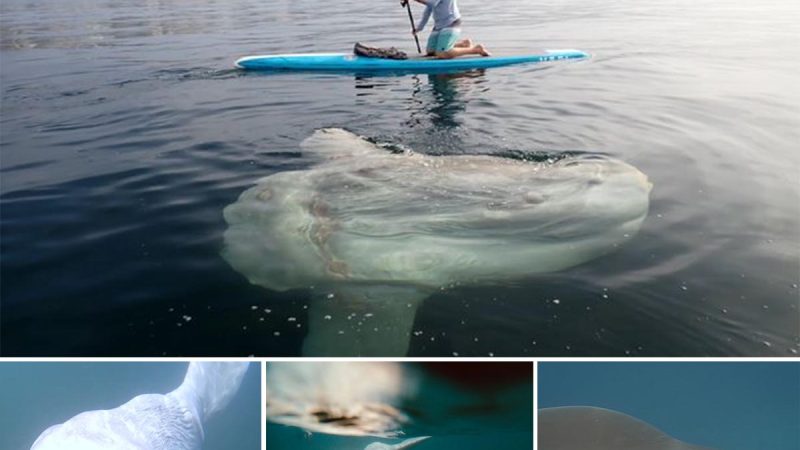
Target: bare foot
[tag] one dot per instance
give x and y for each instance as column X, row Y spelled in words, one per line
column 482, row 50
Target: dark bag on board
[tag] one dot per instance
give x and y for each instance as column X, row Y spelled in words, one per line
column 375, row 52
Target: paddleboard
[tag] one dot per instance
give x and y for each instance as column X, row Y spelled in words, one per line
column 334, row 62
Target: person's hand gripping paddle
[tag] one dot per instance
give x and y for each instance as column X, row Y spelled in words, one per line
column 411, row 19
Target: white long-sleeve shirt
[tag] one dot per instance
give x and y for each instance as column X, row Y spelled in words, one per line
column 445, row 12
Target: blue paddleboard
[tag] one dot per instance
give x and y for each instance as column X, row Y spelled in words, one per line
column 343, row 62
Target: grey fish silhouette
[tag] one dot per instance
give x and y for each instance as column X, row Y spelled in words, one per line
column 590, row 428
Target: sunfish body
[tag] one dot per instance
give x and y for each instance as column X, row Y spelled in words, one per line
column 589, row 428
column 381, row 231
column 348, row 399
column 173, row 421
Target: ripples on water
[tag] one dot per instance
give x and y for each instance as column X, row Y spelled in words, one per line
column 125, row 132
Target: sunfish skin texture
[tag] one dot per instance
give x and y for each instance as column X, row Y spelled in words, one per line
column 173, row 421
column 590, row 428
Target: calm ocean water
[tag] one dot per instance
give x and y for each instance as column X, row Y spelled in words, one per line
column 38, row 395
column 125, row 133
column 727, row 406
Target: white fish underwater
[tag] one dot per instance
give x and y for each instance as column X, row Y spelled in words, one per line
column 401, row 446
column 376, row 232
column 172, row 421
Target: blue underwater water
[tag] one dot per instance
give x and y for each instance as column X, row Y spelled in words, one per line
column 37, row 395
column 724, row 405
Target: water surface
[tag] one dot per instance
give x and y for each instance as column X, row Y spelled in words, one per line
column 125, row 132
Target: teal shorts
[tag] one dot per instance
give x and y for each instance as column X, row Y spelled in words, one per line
column 443, row 40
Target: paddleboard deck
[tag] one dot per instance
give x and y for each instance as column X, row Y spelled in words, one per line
column 352, row 63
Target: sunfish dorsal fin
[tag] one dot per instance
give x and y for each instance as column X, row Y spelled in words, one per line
column 331, row 144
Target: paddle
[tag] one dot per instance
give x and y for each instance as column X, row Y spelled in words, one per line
column 411, row 19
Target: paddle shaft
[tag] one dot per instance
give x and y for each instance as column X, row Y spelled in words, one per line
column 413, row 27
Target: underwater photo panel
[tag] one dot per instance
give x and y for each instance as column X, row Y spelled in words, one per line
column 668, row 405
column 199, row 405
column 384, row 405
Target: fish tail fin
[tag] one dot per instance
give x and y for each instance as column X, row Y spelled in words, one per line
column 210, row 386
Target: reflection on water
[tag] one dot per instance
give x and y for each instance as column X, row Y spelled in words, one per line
column 448, row 98
column 436, row 100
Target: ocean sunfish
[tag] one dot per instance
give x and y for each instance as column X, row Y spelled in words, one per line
column 371, row 233
column 172, row 421
column 341, row 398
column 590, row 428
column 387, row 399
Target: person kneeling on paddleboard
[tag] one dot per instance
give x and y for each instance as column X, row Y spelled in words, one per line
column 444, row 42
